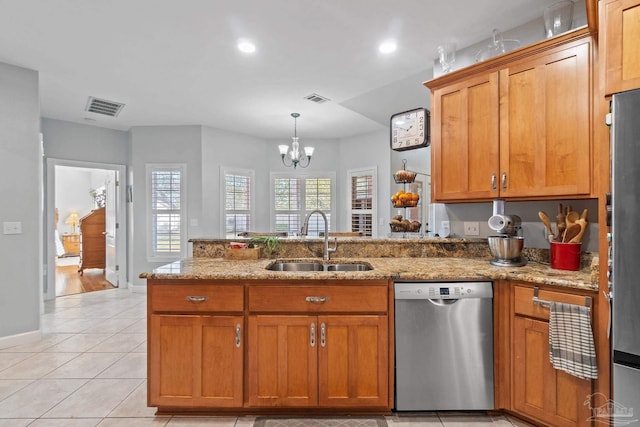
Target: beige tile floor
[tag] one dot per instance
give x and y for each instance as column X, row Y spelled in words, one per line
column 89, row 369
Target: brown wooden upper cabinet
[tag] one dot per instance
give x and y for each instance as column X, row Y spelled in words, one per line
column 518, row 127
column 620, row 40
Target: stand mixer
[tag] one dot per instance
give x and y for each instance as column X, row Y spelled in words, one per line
column 506, row 248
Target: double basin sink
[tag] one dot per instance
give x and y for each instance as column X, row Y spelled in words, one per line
column 303, row 266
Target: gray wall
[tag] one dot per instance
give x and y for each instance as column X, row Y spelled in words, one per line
column 532, row 228
column 359, row 152
column 231, row 150
column 161, row 144
column 20, row 186
column 73, row 141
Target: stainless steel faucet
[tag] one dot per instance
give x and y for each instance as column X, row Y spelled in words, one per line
column 305, row 230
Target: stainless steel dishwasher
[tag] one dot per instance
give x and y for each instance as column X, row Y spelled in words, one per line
column 444, row 346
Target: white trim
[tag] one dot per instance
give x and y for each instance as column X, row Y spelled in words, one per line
column 149, row 168
column 48, row 235
column 373, row 171
column 20, row 339
column 224, row 170
column 138, row 289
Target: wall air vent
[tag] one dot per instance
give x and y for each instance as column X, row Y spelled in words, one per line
column 318, row 99
column 102, row 106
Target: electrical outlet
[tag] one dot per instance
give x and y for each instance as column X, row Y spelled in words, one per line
column 472, row 228
column 12, row 227
column 444, row 231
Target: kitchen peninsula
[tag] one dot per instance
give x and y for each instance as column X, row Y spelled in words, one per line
column 235, row 337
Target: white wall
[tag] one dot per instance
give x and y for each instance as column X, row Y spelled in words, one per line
column 20, row 186
column 72, row 193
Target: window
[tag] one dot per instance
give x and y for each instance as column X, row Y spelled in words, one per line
column 166, row 190
column 294, row 197
column 362, row 200
column 238, row 202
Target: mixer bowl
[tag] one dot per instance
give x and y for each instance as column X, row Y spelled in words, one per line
column 506, row 247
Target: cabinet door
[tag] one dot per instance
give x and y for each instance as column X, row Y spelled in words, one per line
column 621, row 45
column 282, row 357
column 539, row 390
column 464, row 135
column 195, row 361
column 353, row 362
column 545, row 124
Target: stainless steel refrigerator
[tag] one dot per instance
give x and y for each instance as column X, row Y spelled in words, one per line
column 625, row 246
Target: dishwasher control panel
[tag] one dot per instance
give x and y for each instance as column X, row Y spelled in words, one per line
column 430, row 290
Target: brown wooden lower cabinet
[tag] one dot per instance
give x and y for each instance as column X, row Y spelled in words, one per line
column 325, row 361
column 195, row 361
column 539, row 391
column 323, row 345
column 353, row 363
column 282, row 361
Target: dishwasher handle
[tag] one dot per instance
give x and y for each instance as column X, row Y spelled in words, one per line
column 443, row 302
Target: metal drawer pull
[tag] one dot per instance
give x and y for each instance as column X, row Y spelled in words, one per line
column 317, row 299
column 238, row 335
column 196, row 298
column 493, row 181
column 312, row 337
column 323, row 334
column 504, row 180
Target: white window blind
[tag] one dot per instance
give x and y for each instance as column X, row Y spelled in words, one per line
column 295, row 197
column 362, row 201
column 166, row 210
column 237, row 202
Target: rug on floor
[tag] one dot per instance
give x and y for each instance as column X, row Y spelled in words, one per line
column 328, row 421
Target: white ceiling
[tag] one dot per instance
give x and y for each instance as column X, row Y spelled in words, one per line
column 175, row 62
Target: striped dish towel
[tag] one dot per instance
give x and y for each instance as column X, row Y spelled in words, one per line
column 571, row 346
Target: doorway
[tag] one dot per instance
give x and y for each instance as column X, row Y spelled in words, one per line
column 84, row 195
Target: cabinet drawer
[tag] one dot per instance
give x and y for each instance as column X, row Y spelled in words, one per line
column 524, row 305
column 318, row 299
column 197, row 298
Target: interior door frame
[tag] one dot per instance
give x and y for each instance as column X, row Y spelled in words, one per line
column 49, row 291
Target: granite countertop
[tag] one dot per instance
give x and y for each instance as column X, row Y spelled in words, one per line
column 401, row 269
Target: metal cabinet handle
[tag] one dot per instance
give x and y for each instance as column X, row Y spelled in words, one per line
column 504, row 180
column 312, row 337
column 238, row 335
column 317, row 299
column 323, row 334
column 196, row 298
column 493, row 182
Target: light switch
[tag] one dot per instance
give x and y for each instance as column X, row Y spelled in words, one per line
column 12, row 227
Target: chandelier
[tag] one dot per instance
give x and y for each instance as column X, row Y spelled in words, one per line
column 293, row 157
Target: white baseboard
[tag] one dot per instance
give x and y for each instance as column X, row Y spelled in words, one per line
column 20, row 339
column 137, row 289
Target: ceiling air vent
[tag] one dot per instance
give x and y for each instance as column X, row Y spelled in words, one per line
column 102, row 106
column 318, row 99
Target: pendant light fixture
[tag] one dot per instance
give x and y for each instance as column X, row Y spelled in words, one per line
column 293, row 157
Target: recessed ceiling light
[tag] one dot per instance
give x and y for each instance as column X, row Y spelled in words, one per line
column 246, row 46
column 388, row 46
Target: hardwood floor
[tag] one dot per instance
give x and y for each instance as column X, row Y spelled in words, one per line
column 69, row 281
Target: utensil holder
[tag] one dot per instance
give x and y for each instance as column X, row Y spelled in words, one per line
column 565, row 256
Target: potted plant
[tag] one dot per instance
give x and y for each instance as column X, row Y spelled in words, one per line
column 271, row 244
